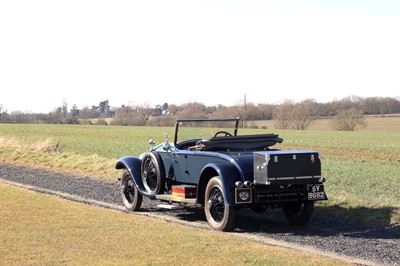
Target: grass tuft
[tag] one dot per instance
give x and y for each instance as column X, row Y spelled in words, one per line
column 47, row 145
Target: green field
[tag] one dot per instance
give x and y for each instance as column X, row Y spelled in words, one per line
column 374, row 123
column 362, row 167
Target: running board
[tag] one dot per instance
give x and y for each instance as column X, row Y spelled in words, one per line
column 170, row 198
column 167, row 206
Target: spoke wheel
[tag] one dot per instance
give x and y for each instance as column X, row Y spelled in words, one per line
column 131, row 197
column 298, row 213
column 153, row 173
column 220, row 216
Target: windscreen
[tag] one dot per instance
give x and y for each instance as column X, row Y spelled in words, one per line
column 204, row 129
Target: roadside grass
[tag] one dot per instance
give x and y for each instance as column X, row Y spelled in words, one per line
column 44, row 153
column 110, row 142
column 362, row 168
column 39, row 229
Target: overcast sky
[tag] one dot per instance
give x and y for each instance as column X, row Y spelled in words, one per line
column 212, row 52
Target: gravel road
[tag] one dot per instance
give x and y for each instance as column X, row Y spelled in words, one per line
column 362, row 244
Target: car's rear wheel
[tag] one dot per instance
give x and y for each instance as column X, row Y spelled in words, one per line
column 298, row 213
column 153, row 173
column 220, row 216
column 130, row 195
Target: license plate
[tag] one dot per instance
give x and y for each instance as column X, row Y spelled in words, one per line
column 316, row 192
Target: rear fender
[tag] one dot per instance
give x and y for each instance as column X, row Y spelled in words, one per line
column 134, row 167
column 228, row 173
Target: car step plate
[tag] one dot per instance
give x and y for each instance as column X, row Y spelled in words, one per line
column 167, row 206
column 170, row 198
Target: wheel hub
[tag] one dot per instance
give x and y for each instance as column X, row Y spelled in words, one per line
column 209, row 204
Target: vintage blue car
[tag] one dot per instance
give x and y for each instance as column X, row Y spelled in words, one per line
column 223, row 172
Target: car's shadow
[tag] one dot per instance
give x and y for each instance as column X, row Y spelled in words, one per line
column 326, row 221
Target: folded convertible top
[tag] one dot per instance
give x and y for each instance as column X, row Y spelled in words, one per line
column 242, row 142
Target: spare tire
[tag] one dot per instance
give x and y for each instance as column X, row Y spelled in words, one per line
column 153, row 173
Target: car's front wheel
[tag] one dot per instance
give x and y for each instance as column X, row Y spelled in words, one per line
column 220, row 216
column 130, row 195
column 298, row 213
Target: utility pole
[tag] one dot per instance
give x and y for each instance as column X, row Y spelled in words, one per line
column 244, row 118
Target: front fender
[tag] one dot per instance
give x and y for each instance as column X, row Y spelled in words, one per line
column 134, row 167
column 228, row 173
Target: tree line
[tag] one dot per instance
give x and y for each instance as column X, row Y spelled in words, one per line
column 286, row 115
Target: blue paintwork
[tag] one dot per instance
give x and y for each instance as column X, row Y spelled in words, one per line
column 229, row 174
column 188, row 167
column 133, row 165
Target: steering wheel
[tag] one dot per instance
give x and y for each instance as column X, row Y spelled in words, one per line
column 222, row 132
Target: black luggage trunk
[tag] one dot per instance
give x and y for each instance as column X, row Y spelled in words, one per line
column 286, row 167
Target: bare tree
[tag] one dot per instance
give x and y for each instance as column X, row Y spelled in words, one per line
column 123, row 115
column 225, row 111
column 172, row 109
column 192, row 110
column 349, row 120
column 265, row 111
column 297, row 116
column 303, row 114
column 282, row 113
column 86, row 113
column 144, row 112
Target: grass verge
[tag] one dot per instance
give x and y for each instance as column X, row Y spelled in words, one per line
column 45, row 153
column 37, row 229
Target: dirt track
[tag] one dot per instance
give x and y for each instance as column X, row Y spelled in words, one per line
column 361, row 244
